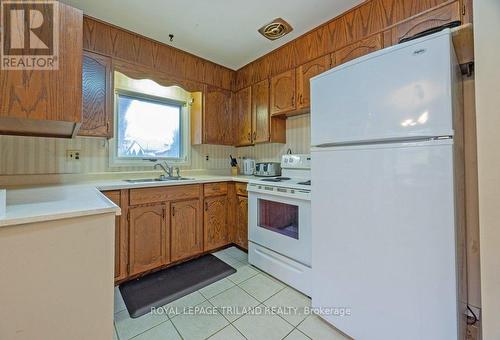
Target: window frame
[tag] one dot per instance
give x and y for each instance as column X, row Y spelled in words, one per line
column 184, row 132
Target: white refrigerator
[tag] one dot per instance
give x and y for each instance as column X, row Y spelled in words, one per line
column 384, row 197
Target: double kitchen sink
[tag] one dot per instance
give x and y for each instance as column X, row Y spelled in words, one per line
column 159, row 179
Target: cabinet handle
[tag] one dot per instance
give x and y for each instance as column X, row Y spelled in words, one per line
column 250, row 136
column 301, row 99
column 173, row 211
column 206, row 206
column 293, row 100
column 254, row 135
column 164, row 212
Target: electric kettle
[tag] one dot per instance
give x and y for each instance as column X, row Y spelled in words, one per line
column 248, row 167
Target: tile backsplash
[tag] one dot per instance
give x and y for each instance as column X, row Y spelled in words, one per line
column 34, row 155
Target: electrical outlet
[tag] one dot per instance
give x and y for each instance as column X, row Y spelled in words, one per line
column 73, row 155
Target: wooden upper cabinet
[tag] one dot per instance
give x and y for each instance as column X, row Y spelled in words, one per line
column 97, row 94
column 217, row 118
column 215, row 222
column 283, row 93
column 47, row 102
column 304, row 73
column 149, row 238
column 186, row 229
column 358, row 49
column 427, row 20
column 260, row 112
column 243, row 114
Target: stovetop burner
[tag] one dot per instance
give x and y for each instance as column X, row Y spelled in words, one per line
column 276, row 179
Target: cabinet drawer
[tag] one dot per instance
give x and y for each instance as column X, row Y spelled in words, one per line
column 173, row 193
column 215, row 189
column 241, row 189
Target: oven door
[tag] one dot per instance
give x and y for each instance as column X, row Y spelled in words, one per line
column 281, row 224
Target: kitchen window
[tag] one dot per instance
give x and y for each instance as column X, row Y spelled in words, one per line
column 151, row 123
column 148, row 128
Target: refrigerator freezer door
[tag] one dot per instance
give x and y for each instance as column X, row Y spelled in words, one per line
column 384, row 240
column 398, row 93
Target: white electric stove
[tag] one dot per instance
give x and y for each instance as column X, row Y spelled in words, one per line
column 279, row 223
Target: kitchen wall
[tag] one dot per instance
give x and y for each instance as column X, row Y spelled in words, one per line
column 298, row 137
column 34, row 155
column 487, row 50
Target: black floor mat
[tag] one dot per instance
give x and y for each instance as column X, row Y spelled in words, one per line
column 167, row 285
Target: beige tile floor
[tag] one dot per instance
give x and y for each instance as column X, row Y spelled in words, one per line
column 246, row 305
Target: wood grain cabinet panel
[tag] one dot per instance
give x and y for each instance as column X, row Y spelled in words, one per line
column 97, row 94
column 120, row 234
column 215, row 189
column 260, row 112
column 304, row 73
column 241, row 232
column 149, row 238
column 215, row 222
column 162, row 194
column 241, row 189
column 186, row 229
column 358, row 49
column 47, row 102
column 217, row 116
column 435, row 18
column 283, row 93
column 243, row 114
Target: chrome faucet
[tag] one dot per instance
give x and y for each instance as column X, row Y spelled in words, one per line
column 169, row 170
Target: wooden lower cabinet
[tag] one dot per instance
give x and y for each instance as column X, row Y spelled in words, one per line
column 160, row 226
column 121, row 235
column 215, row 222
column 149, row 238
column 241, row 232
column 186, row 229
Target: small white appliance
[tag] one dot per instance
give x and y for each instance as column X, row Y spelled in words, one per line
column 268, row 169
column 385, row 192
column 248, row 167
column 279, row 223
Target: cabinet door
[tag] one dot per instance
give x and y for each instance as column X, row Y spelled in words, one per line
column 304, row 74
column 427, row 20
column 149, row 239
column 217, row 117
column 97, row 92
column 120, row 264
column 260, row 112
column 231, row 212
column 243, row 114
column 283, row 93
column 47, row 102
column 358, row 49
column 242, row 222
column 215, row 222
column 186, row 229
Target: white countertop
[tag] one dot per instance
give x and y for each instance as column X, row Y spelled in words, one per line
column 55, row 202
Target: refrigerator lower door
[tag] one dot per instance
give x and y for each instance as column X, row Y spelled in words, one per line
column 384, row 240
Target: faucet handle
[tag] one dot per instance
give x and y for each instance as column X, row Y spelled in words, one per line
column 178, row 172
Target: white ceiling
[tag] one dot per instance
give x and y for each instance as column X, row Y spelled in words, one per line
column 223, row 31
